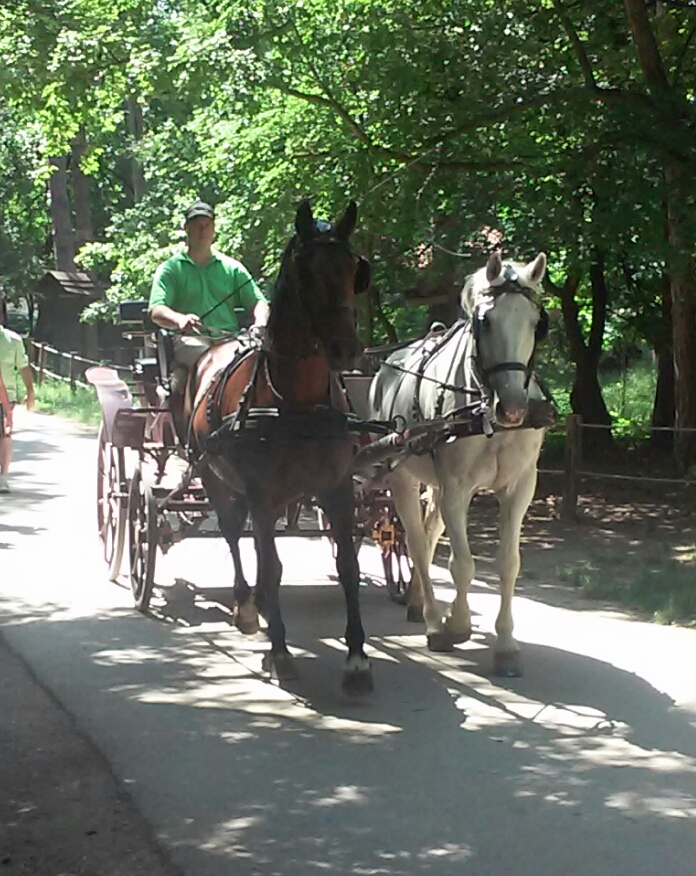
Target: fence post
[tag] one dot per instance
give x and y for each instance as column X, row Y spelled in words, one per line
column 573, row 456
column 42, row 362
column 71, row 370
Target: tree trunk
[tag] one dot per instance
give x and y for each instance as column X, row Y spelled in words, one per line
column 61, row 219
column 135, row 127
column 663, row 407
column 673, row 111
column 586, row 396
column 81, row 193
column 683, row 303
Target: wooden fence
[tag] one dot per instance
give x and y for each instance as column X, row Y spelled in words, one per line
column 575, row 470
column 69, row 368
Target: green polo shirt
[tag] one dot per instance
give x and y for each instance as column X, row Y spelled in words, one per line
column 13, row 358
column 184, row 286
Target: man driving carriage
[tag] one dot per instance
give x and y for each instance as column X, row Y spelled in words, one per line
column 199, row 290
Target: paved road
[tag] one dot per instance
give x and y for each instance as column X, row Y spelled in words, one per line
column 587, row 765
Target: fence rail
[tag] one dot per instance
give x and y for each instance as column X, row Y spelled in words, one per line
column 47, row 361
column 574, row 471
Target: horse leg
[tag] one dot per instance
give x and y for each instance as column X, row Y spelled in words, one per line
column 420, row 540
column 455, row 510
column 232, row 514
column 513, row 506
column 433, row 523
column 278, row 661
column 339, row 508
column 405, row 492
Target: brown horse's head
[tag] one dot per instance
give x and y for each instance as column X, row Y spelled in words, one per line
column 313, row 309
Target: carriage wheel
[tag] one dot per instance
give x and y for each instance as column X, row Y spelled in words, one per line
column 398, row 570
column 111, row 505
column 142, row 535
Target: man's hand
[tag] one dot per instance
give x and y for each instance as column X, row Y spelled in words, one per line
column 8, row 421
column 188, row 321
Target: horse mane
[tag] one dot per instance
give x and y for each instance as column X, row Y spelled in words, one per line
column 284, row 305
column 478, row 286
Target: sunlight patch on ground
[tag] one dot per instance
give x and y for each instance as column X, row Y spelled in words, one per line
column 342, row 794
column 229, row 835
column 667, row 806
column 453, row 852
column 253, row 696
column 372, row 652
column 616, row 751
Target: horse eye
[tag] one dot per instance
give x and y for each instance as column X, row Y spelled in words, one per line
column 485, row 323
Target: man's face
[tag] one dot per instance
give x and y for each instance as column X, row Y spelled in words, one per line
column 200, row 231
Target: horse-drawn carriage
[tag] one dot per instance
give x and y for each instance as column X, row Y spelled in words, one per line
column 265, row 423
column 146, row 501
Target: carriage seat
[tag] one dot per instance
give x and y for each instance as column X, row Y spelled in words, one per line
column 165, row 356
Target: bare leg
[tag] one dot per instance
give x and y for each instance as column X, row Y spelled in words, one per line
column 5, row 454
column 339, row 508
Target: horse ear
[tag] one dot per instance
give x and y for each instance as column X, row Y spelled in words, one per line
column 494, row 268
column 535, row 270
column 363, row 275
column 346, row 224
column 304, row 221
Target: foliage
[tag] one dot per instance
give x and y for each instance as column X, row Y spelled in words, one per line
column 663, row 589
column 457, row 127
column 55, row 397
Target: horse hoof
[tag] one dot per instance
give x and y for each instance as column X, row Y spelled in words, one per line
column 282, row 666
column 414, row 614
column 457, row 638
column 357, row 682
column 440, row 642
column 507, row 665
column 248, row 626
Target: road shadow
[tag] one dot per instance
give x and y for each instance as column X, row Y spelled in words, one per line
column 574, row 760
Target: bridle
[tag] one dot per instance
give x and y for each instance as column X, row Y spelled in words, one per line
column 298, row 251
column 471, row 327
column 509, row 284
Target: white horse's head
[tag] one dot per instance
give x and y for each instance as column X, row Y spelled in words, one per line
column 508, row 321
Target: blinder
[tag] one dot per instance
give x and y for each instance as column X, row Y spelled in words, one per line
column 542, row 330
column 363, row 275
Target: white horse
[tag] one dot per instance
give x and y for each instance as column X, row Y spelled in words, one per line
column 489, row 356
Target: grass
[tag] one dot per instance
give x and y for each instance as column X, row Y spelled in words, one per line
column 55, row 397
column 628, row 395
column 666, row 590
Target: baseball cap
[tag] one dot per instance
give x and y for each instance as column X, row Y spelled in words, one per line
column 200, row 208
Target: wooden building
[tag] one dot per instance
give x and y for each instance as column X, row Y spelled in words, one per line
column 62, row 297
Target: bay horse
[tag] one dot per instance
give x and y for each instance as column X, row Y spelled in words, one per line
column 268, row 428
column 488, row 356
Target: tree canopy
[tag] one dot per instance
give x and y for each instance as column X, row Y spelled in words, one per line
column 550, row 125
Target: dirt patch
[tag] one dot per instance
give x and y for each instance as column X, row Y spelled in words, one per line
column 61, row 810
column 619, row 533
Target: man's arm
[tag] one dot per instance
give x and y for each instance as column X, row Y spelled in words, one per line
column 169, row 318
column 28, row 379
